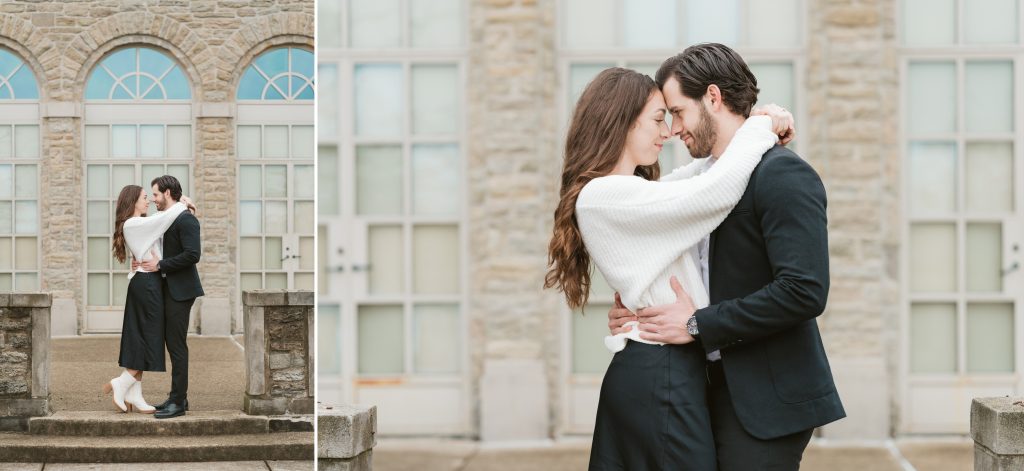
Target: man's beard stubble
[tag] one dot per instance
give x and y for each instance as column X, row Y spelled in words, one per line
column 704, row 135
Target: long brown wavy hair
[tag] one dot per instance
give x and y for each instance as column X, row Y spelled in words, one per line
column 125, row 210
column 604, row 115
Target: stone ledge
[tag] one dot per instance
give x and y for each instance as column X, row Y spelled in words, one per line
column 256, row 405
column 998, row 424
column 25, row 300
column 277, row 298
column 359, row 463
column 346, row 431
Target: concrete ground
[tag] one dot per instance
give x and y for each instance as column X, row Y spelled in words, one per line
column 81, row 365
column 822, row 455
column 223, row 465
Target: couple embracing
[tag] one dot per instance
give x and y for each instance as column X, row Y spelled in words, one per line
column 164, row 284
column 720, row 269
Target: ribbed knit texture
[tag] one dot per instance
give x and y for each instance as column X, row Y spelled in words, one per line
column 640, row 233
column 141, row 233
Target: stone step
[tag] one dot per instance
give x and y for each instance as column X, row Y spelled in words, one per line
column 29, row 448
column 97, row 424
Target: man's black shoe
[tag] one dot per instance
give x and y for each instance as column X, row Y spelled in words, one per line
column 163, row 405
column 172, row 410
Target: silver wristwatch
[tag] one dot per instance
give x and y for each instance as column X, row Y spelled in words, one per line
column 691, row 326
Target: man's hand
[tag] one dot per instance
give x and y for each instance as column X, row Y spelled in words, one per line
column 782, row 121
column 151, row 265
column 667, row 323
column 618, row 316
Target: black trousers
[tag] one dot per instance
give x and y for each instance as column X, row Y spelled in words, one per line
column 738, row 450
column 142, row 330
column 176, row 316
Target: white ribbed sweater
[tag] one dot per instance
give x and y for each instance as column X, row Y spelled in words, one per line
column 640, row 233
column 142, row 233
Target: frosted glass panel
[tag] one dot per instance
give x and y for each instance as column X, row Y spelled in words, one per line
column 712, row 21
column 327, row 114
column 302, row 281
column 773, row 24
column 99, row 289
column 929, row 22
column 273, row 253
column 250, row 253
column 306, row 255
column 249, row 142
column 6, row 181
column 328, row 346
column 381, row 340
column 250, row 181
column 374, row 23
column 100, row 253
column 984, row 258
column 276, row 281
column 589, row 355
column 97, row 182
column 6, row 262
column 933, row 338
column 776, row 84
column 120, row 288
column 277, row 217
column 932, row 177
column 378, row 180
column 303, row 142
column 250, row 281
column 933, row 257
column 303, row 223
column 590, row 23
column 6, row 217
column 26, row 253
column 436, row 262
column 599, row 287
column 125, row 175
column 650, row 24
column 99, row 218
column 386, row 259
column 276, row 181
column 275, row 142
column 989, row 96
column 436, row 338
column 179, row 142
column 250, row 217
column 26, row 141
column 931, row 101
column 990, row 338
column 151, row 141
column 322, row 261
column 26, row 181
column 437, row 179
column 26, row 217
column 26, row 282
column 989, row 174
column 303, row 183
column 328, row 21
column 580, row 76
column 96, row 145
column 435, row 106
column 436, row 23
column 6, row 282
column 990, row 21
column 7, row 141
column 378, row 100
column 123, row 139
column 328, row 195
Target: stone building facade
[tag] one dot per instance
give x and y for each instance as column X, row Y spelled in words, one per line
column 212, row 44
column 924, row 210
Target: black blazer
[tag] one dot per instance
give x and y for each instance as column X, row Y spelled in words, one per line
column 769, row 281
column 181, row 254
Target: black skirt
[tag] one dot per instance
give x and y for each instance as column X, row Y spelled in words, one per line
column 653, row 412
column 142, row 332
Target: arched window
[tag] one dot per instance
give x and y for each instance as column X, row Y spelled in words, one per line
column 19, row 175
column 138, row 126
column 275, row 143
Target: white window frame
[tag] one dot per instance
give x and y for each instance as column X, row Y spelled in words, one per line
column 21, row 112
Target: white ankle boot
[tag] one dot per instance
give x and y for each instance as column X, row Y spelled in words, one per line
column 119, row 386
column 134, row 400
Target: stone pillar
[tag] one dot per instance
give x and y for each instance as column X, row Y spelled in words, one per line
column 24, row 358
column 278, row 352
column 997, row 427
column 346, row 437
column 214, row 172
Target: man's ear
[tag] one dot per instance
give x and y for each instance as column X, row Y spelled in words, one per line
column 714, row 97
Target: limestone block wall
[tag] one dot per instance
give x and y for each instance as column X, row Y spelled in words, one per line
column 24, row 358
column 279, row 352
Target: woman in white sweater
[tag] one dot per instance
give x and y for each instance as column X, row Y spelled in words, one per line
column 641, row 232
column 142, row 331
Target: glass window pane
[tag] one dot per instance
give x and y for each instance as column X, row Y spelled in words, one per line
column 125, row 175
column 276, row 281
column 250, row 217
column 590, row 23
column 984, row 258
column 99, row 289
column 273, row 254
column 435, row 103
column 989, row 174
column 306, row 254
column 277, row 217
column 386, row 259
column 436, row 261
column 251, row 281
column 6, row 282
column 26, row 181
column 437, row 338
column 7, row 142
column 931, row 101
column 929, row 22
column 303, row 142
column 151, row 141
column 97, row 145
column 26, row 253
column 123, row 138
column 275, row 142
column 933, row 338
column 249, row 142
column 580, row 76
column 328, row 346
column 250, row 253
column 650, row 24
column 374, row 23
column 989, row 96
column 6, row 217
column 304, row 183
column 776, row 84
column 322, row 262
column 327, row 113
column 98, row 181
column 120, row 288
column 933, row 257
column 100, row 253
column 990, row 346
column 251, row 182
column 932, row 177
column 773, row 24
column 277, row 181
column 6, row 181
column 26, row 217
column 589, row 355
column 378, row 180
column 713, row 21
column 303, row 223
column 599, row 286
column 381, row 340
column 990, row 21
column 379, row 99
column 328, row 22
column 303, row 281
column 26, row 141
column 99, row 218
column 179, row 142
column 26, row 282
column 328, row 197
column 436, row 23
column 437, row 179
column 6, row 258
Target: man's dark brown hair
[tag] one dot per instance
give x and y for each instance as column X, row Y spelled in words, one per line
column 703, row 65
column 168, row 182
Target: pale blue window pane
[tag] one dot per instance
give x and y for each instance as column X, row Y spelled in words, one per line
column 375, row 23
column 712, row 21
column 929, row 22
column 5, row 92
column 277, row 217
column 153, row 62
column 176, row 85
column 303, row 181
column 436, row 336
column 251, row 182
column 933, row 177
column 590, row 23
column 99, row 85
column 990, row 21
column 302, row 142
column 328, row 319
column 378, row 99
column 776, row 84
column 579, row 76
column 435, row 99
column 276, row 181
column 26, row 181
column 121, row 93
column 275, row 142
column 151, row 141
column 989, row 96
column 250, row 142
column 251, row 85
column 97, row 181
column 302, row 62
column 650, row 24
column 98, row 217
column 24, row 84
column 6, row 142
column 6, row 181
column 6, row 217
column 179, row 142
column 327, row 178
column 149, row 90
column 305, row 94
column 299, row 86
column 436, row 23
column 26, row 141
column 273, row 62
column 931, row 103
column 124, row 141
column 328, row 19
column 125, row 175
column 250, row 217
column 272, row 93
column 281, row 85
column 773, row 24
column 436, row 186
column 328, row 112
column 381, row 339
column 97, row 145
column 8, row 62
column 26, row 217
column 121, row 63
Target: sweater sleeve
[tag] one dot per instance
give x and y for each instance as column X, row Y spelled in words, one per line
column 635, row 228
column 140, row 233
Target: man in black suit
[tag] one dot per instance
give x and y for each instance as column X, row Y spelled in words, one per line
column 769, row 381
column 181, row 287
